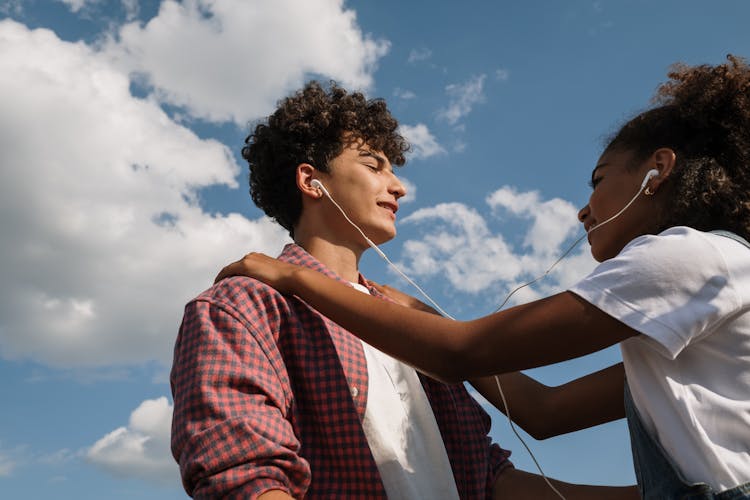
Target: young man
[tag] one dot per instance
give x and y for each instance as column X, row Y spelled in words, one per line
column 273, row 400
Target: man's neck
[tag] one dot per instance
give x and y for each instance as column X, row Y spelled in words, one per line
column 340, row 259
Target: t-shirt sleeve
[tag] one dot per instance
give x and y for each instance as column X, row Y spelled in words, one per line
column 674, row 288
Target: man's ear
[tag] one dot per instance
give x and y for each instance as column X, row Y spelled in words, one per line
column 663, row 160
column 305, row 175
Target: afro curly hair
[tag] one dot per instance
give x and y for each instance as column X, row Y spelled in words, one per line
column 703, row 114
column 313, row 126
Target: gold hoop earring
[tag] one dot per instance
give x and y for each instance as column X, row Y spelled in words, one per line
column 648, row 191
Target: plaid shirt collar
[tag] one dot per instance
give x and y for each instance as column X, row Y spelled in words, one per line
column 295, row 254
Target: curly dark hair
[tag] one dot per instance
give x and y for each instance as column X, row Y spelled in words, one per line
column 313, row 126
column 703, row 114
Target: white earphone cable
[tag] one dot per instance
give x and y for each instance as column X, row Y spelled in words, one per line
column 383, row 255
column 650, row 174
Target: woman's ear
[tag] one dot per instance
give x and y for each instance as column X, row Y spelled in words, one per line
column 663, row 160
column 305, row 176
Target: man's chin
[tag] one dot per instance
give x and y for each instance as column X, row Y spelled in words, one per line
column 383, row 237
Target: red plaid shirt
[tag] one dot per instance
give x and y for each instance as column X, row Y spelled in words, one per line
column 269, row 394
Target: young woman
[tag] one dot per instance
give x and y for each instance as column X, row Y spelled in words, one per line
column 670, row 289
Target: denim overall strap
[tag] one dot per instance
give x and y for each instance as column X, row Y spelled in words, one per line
column 729, row 234
column 657, row 475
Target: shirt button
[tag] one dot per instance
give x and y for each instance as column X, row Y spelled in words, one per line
column 355, row 392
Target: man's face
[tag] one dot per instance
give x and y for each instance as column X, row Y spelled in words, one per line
column 362, row 182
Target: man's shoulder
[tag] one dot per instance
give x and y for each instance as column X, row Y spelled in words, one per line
column 240, row 293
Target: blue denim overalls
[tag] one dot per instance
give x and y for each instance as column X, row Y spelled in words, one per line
column 658, row 477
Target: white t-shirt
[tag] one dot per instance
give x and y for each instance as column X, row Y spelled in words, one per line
column 688, row 293
column 402, row 432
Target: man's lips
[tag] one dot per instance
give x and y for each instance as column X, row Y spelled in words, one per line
column 393, row 207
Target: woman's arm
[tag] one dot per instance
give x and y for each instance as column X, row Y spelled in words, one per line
column 582, row 403
column 588, row 401
column 543, row 332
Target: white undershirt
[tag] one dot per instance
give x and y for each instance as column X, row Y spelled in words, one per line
column 402, row 432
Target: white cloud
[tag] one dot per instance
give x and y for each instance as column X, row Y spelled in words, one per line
column 76, row 5
column 11, row 7
column 460, row 246
column 131, row 8
column 58, row 457
column 416, row 55
column 141, row 449
column 411, row 191
column 103, row 238
column 423, row 143
column 7, row 465
column 96, row 8
column 11, row 459
column 502, row 74
column 403, row 93
column 457, row 245
column 463, row 97
column 232, row 59
column 554, row 221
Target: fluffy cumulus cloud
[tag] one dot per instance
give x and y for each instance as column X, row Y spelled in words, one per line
column 11, row 7
column 141, row 449
column 420, row 54
column 75, row 5
column 502, row 74
column 411, row 191
column 103, row 237
column 7, row 464
column 457, row 245
column 404, row 94
column 230, row 59
column 423, row 143
column 463, row 97
column 552, row 221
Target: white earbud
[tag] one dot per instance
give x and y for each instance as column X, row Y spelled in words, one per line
column 319, row 185
column 651, row 173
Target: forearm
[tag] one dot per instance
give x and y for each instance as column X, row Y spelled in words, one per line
column 582, row 403
column 425, row 340
column 275, row 495
column 592, row 400
column 543, row 332
column 521, row 485
column 223, row 407
column 527, row 400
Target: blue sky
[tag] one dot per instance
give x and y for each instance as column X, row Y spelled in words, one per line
column 122, row 192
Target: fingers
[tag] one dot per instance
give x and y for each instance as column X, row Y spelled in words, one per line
column 226, row 272
column 241, row 267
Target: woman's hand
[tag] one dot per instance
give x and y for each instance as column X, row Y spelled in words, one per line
column 402, row 298
column 271, row 271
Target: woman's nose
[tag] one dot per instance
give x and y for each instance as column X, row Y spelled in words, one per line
column 583, row 213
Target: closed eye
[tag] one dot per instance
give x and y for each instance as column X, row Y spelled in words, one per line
column 372, row 160
column 594, row 182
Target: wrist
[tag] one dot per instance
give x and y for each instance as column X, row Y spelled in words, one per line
column 290, row 282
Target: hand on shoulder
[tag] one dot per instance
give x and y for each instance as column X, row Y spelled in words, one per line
column 269, row 270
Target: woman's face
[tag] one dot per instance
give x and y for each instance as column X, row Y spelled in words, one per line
column 614, row 185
